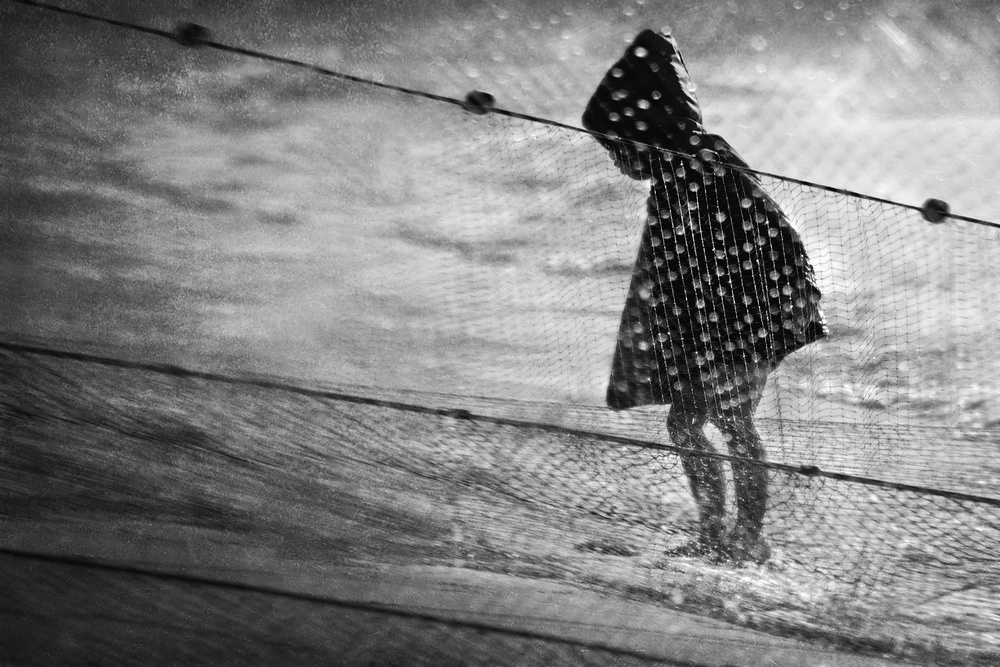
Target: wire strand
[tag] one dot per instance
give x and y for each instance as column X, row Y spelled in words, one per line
column 260, row 383
column 291, row 62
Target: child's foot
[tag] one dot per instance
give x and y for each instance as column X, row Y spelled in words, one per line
column 746, row 549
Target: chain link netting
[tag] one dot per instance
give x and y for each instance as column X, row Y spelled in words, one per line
column 480, row 266
column 855, row 564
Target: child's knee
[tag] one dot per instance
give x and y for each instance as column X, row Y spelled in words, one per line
column 741, row 437
column 684, row 423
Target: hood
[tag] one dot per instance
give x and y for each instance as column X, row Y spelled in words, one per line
column 647, row 96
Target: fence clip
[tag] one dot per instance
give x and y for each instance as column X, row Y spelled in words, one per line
column 935, row 210
column 191, row 34
column 478, row 102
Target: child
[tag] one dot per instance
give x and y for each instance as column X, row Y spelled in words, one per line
column 721, row 292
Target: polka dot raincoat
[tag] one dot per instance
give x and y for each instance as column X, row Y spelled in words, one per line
column 722, row 288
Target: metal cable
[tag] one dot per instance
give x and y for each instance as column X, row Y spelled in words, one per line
column 188, row 34
column 260, row 383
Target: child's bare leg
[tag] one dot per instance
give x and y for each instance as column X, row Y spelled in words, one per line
column 750, row 481
column 704, row 473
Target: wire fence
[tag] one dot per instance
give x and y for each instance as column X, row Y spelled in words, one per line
column 478, row 102
column 492, row 279
column 893, row 568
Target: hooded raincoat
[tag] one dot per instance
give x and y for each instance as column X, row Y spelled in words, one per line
column 722, row 289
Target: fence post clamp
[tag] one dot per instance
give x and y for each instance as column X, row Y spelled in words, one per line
column 191, row 34
column 478, row 102
column 935, row 210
